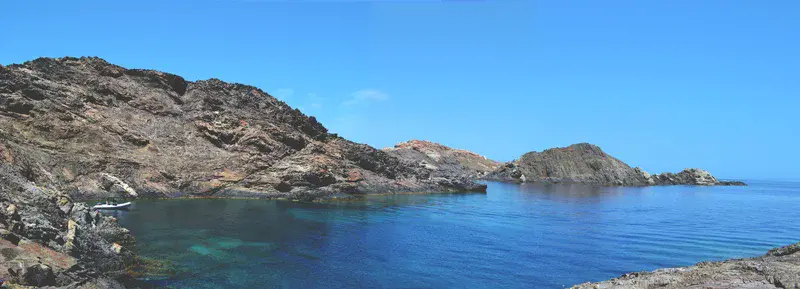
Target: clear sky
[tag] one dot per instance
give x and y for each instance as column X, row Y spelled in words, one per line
column 659, row 84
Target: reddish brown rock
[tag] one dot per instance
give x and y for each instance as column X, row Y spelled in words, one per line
column 354, row 176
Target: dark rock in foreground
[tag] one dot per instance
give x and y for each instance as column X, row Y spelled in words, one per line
column 779, row 268
column 443, row 160
column 46, row 239
column 588, row 164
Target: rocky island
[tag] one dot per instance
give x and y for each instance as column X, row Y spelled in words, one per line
column 588, row 164
column 779, row 268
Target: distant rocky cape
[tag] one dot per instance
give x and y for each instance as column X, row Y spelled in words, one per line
column 588, row 164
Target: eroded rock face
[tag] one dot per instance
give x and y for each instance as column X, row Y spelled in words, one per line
column 99, row 130
column 443, row 160
column 588, row 164
column 779, row 268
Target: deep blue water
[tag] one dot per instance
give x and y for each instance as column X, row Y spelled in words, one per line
column 528, row 236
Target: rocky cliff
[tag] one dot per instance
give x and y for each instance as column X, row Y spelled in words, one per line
column 587, row 163
column 443, row 160
column 101, row 130
column 779, row 268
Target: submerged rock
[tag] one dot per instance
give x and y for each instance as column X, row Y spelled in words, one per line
column 779, row 268
column 588, row 164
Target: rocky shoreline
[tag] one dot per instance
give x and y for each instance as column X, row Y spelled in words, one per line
column 778, row 268
column 47, row 239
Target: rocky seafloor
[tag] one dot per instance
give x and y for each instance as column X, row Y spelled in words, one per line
column 778, row 268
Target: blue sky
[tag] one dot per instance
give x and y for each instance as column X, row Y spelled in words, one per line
column 659, row 84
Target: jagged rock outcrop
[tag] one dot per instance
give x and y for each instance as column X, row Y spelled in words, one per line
column 779, row 268
column 100, row 130
column 47, row 239
column 443, row 160
column 588, row 164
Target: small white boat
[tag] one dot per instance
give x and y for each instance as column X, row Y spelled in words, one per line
column 101, row 206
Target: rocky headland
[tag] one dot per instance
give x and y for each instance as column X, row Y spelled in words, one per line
column 76, row 129
column 443, row 160
column 779, row 268
column 588, row 164
column 95, row 130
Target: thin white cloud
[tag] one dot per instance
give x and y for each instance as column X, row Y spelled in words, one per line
column 316, row 101
column 365, row 96
column 283, row 93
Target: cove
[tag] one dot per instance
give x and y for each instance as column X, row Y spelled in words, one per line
column 513, row 236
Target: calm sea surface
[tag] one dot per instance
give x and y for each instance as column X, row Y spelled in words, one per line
column 514, row 236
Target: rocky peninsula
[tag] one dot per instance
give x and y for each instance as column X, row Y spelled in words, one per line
column 588, row 164
column 779, row 268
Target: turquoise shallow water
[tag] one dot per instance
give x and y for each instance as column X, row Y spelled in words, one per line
column 514, row 236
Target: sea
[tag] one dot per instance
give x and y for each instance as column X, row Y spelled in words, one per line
column 512, row 236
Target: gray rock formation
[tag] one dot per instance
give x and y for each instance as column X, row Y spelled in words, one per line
column 443, row 160
column 588, row 164
column 779, row 268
